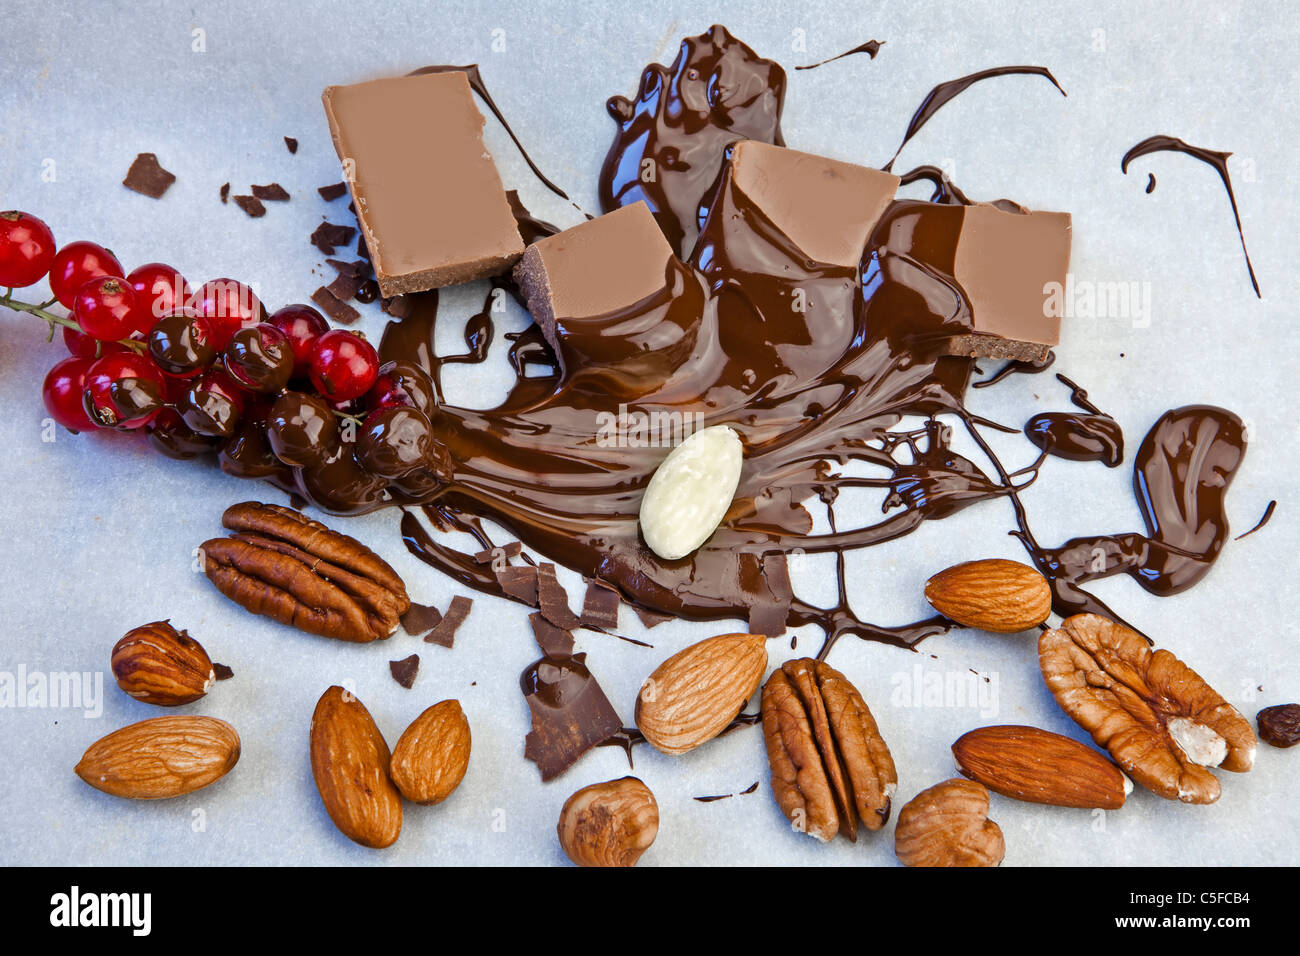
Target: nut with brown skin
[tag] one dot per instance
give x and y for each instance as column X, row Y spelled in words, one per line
column 432, row 754
column 161, row 757
column 692, row 697
column 831, row 769
column 1279, row 725
column 992, row 595
column 350, row 763
column 948, row 825
column 1158, row 718
column 609, row 824
column 160, row 665
column 1038, row 766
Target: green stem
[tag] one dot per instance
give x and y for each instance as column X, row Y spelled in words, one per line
column 40, row 311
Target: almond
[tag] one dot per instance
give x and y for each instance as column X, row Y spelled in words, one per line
column 1039, row 766
column 432, row 754
column 350, row 760
column 161, row 757
column 993, row 595
column 160, row 665
column 695, row 694
column 690, row 492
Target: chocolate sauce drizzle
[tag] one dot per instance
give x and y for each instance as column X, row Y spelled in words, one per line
column 870, row 48
column 1213, row 158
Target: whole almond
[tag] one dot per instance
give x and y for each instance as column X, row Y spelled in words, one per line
column 432, row 754
column 161, row 757
column 695, row 694
column 158, row 664
column 1038, row 766
column 993, row 595
column 349, row 760
column 609, row 824
column 690, row 492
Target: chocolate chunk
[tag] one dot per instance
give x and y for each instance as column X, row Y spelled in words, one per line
column 570, row 713
column 147, row 177
column 503, row 552
column 593, row 270
column 1007, row 263
column 554, row 641
column 291, row 144
column 272, row 192
column 825, row 207
column 329, row 234
column 358, row 268
column 420, row 618
column 331, row 305
column 445, row 632
column 251, row 205
column 222, row 671
column 344, row 287
column 404, row 671
column 332, row 192
column 225, row 193
column 600, row 606
column 519, row 583
column 553, row 599
column 428, row 192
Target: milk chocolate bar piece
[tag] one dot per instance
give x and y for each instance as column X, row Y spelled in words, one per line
column 596, row 268
column 825, row 207
column 429, row 200
column 1006, row 261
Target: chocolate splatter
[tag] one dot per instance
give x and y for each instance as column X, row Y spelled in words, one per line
column 870, row 48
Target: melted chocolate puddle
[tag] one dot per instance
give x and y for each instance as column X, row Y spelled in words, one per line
column 870, row 48
column 1218, row 160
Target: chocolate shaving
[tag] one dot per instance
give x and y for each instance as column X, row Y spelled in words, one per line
column 328, row 235
column 222, row 671
column 344, row 287
column 650, row 618
column 404, row 671
column 399, row 306
column 225, row 193
column 251, row 205
column 445, row 632
column 600, row 606
column 519, row 583
column 147, row 177
column 554, row 641
column 570, row 713
column 358, row 268
column 332, row 306
column 420, row 618
column 272, row 192
column 553, row 599
column 331, row 193
column 750, row 789
column 502, row 552
column 291, row 144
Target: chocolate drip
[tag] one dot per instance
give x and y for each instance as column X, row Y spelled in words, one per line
column 671, row 135
column 1017, row 368
column 938, row 97
column 945, row 190
column 1094, row 436
column 1268, row 513
column 1218, row 160
column 870, row 48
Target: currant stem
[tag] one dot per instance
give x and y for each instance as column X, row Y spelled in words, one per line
column 40, row 311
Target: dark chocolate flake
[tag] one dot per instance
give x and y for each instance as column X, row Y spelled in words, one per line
column 291, row 144
column 445, row 632
column 344, row 287
column 251, row 205
column 503, row 552
column 554, row 641
column 600, row 606
column 570, row 713
column 332, row 306
column 331, row 193
column 519, row 583
column 420, row 618
column 147, row 177
column 553, row 599
column 404, row 671
column 222, row 671
column 272, row 192
column 328, row 235
column 225, row 193
column 650, row 618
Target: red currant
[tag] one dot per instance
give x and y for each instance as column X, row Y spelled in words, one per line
column 402, row 383
column 124, row 390
column 76, row 264
column 83, row 346
column 213, row 404
column 178, row 343
column 228, row 305
column 303, row 325
column 26, row 249
column 159, row 290
column 105, row 308
column 343, row 365
column 62, row 391
column 260, row 358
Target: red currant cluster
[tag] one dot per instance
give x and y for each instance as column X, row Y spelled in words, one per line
column 211, row 371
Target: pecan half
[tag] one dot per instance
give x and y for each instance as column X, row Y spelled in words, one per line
column 949, row 825
column 1158, row 718
column 283, row 565
column 831, row 769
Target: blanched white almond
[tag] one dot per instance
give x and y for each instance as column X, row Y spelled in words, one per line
column 690, row 492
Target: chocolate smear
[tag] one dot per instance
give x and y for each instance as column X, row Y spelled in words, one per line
column 251, row 205
column 404, row 671
column 444, row 632
column 1212, row 158
column 147, row 177
column 870, row 48
column 1094, row 436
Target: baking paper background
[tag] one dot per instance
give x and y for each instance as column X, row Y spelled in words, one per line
column 99, row 531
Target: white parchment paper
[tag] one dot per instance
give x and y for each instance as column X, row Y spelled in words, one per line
column 99, row 531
